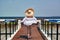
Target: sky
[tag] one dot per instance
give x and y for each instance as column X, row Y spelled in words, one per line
column 18, row 7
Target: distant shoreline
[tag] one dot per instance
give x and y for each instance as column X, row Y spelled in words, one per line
column 51, row 17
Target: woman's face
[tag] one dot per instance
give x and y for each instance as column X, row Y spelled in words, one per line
column 29, row 13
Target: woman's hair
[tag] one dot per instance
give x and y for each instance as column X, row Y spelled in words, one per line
column 29, row 9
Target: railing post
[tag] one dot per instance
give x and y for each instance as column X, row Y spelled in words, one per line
column 10, row 28
column 48, row 28
column 0, row 31
column 42, row 23
column 13, row 27
column 39, row 24
column 19, row 24
column 45, row 27
column 6, row 30
column 51, row 30
column 15, row 23
column 57, row 31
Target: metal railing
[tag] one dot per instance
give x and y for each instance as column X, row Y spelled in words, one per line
column 7, row 29
column 51, row 29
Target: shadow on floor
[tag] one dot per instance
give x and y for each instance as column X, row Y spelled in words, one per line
column 23, row 36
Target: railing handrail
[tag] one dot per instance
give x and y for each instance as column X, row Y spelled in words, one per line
column 45, row 29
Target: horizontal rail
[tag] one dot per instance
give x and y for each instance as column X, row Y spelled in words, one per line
column 7, row 29
column 53, row 33
column 49, row 29
column 6, row 33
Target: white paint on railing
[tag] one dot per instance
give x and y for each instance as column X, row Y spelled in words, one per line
column 39, row 23
column 19, row 26
column 46, row 35
column 46, row 19
column 2, row 19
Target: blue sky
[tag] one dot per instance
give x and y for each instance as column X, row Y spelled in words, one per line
column 41, row 7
